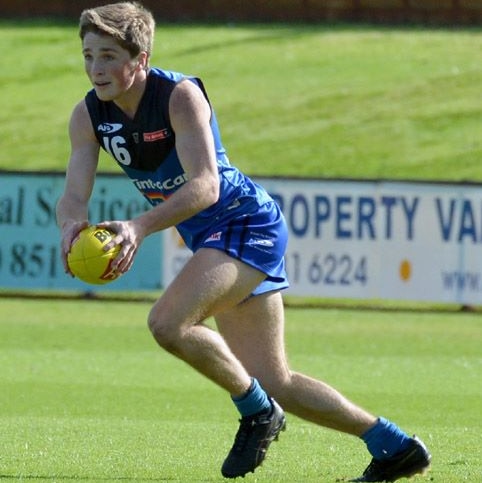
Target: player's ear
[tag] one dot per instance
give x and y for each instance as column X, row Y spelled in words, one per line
column 143, row 60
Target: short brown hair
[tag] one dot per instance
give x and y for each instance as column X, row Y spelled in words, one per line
column 131, row 24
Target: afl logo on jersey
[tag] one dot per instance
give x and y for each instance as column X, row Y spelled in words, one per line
column 108, row 127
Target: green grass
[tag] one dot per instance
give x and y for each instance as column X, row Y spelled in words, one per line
column 334, row 101
column 86, row 395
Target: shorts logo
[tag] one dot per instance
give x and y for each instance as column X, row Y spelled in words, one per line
column 263, row 242
column 214, row 237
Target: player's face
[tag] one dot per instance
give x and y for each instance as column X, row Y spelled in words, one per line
column 110, row 68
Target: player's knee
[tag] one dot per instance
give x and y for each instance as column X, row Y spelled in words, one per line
column 165, row 333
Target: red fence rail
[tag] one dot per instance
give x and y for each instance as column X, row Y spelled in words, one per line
column 445, row 12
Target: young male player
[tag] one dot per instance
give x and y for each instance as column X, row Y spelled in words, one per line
column 161, row 129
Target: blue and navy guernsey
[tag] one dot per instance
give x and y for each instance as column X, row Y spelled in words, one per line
column 145, row 148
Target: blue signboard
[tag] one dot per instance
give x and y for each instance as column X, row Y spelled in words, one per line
column 30, row 241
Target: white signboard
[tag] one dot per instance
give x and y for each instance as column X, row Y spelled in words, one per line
column 375, row 240
column 29, row 237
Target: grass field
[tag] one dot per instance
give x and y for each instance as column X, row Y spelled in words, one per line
column 334, row 101
column 86, row 395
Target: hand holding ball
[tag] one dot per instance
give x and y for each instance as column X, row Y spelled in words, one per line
column 87, row 259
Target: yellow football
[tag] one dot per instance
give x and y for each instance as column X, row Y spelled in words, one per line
column 87, row 259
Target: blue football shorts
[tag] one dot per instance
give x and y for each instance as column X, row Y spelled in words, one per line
column 259, row 239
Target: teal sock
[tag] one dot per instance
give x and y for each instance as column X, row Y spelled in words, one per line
column 254, row 401
column 385, row 439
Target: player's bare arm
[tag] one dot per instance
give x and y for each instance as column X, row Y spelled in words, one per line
column 72, row 208
column 190, row 115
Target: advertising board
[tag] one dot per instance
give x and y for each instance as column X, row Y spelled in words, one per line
column 29, row 237
column 375, row 240
column 348, row 239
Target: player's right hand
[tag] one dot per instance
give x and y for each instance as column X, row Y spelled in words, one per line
column 70, row 229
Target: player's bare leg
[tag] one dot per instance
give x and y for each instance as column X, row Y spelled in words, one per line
column 255, row 333
column 210, row 282
column 213, row 283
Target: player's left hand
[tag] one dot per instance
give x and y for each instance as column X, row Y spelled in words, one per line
column 128, row 237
